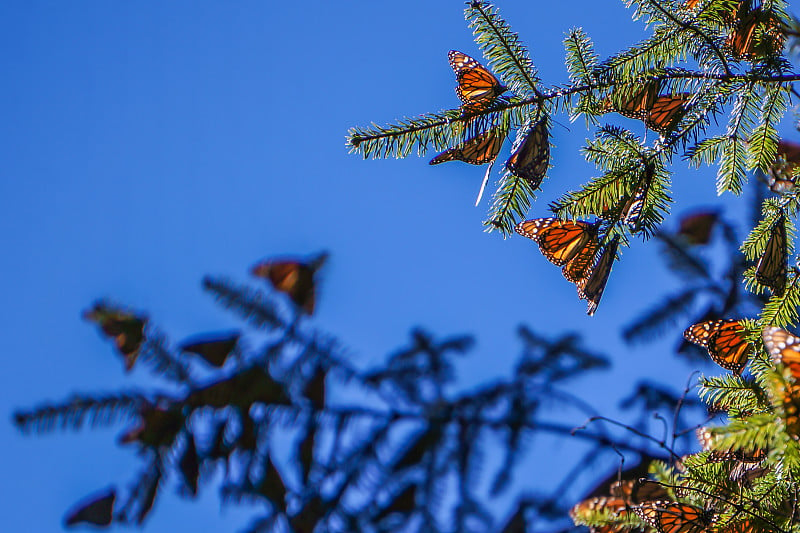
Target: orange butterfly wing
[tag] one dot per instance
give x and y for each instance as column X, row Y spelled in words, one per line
column 578, row 267
column 477, row 87
column 666, row 112
column 784, row 348
column 559, row 240
column 725, row 342
column 674, row 517
column 478, row 150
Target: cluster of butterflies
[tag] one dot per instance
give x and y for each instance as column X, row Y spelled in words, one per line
column 477, row 88
column 727, row 346
column 574, row 246
column 651, row 502
column 753, row 30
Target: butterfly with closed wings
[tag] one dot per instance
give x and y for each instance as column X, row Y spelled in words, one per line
column 531, row 159
column 478, row 150
column 774, row 263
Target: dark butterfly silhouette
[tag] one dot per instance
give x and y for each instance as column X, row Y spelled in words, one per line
column 531, row 159
column 213, row 349
column 126, row 328
column 591, row 287
column 294, row 278
column 97, row 510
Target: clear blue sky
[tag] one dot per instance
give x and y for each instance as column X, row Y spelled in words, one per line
column 147, row 144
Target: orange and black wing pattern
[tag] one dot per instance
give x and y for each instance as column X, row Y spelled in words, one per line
column 773, row 264
column 708, row 443
column 478, row 150
column 591, row 288
column 531, row 159
column 666, row 112
column 579, row 267
column 741, row 40
column 674, row 517
column 583, row 510
column 477, row 87
column 638, row 104
column 783, row 348
column 724, row 340
column 559, row 240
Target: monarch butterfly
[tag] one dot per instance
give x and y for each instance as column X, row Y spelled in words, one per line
column 97, row 510
column 744, row 41
column 214, row 349
column 591, row 287
column 585, row 509
column 780, row 173
column 477, row 87
column 639, row 104
column 638, row 491
column 691, row 4
column 531, row 159
column 559, row 240
column 773, row 264
column 783, row 347
column 707, row 442
column 666, row 112
column 577, row 268
column 724, row 340
column 478, row 150
column 126, row 328
column 741, row 39
column 697, row 228
column 292, row 277
column 674, row 517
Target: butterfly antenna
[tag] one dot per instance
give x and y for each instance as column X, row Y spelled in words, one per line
column 483, row 184
column 551, row 119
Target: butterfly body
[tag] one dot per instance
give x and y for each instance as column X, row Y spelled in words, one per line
column 724, row 340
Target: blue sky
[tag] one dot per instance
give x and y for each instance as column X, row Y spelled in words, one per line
column 148, row 144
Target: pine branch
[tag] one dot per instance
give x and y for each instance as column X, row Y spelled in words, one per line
column 250, row 304
column 733, row 162
column 763, row 145
column 665, row 315
column 101, row 411
column 506, row 54
column 782, row 310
